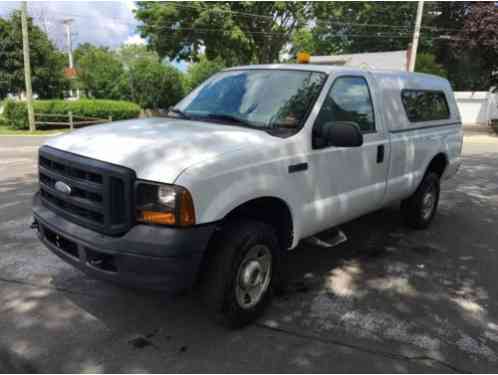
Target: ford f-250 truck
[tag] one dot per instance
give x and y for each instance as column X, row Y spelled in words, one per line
column 251, row 162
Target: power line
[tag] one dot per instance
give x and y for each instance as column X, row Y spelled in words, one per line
column 320, row 21
column 406, row 29
column 401, row 34
column 174, row 28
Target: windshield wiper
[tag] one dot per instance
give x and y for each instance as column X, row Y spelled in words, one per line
column 230, row 118
column 179, row 112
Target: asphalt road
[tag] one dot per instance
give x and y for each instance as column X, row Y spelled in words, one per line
column 388, row 300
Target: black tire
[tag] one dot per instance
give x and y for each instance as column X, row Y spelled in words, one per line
column 220, row 274
column 412, row 208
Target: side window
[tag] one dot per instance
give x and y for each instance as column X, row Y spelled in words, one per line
column 424, row 105
column 348, row 100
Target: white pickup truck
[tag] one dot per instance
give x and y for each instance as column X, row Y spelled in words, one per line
column 254, row 160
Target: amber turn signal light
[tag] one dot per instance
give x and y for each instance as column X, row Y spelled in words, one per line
column 153, row 217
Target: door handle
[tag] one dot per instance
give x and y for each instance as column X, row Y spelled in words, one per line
column 380, row 154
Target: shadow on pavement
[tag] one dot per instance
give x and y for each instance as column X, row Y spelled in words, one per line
column 388, row 300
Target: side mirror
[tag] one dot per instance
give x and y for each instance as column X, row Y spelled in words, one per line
column 342, row 134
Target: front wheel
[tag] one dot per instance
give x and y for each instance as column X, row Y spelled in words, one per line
column 240, row 274
column 419, row 209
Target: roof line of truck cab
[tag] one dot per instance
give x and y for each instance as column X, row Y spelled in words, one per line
column 337, row 69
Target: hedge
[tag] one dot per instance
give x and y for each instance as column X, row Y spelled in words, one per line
column 16, row 113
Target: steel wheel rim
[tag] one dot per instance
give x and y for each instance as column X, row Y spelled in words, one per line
column 253, row 276
column 428, row 203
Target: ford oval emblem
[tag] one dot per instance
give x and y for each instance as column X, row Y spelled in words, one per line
column 63, row 187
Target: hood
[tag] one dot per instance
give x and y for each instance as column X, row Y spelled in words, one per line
column 159, row 149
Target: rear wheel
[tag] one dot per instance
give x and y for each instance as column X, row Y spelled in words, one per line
column 419, row 209
column 239, row 278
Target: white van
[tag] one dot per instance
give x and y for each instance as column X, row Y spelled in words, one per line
column 250, row 163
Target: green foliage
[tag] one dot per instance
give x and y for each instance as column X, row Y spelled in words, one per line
column 479, row 39
column 131, row 53
column 201, row 71
column 47, row 63
column 100, row 73
column 304, row 40
column 15, row 112
column 353, row 27
column 462, row 64
column 154, row 85
column 3, row 121
column 226, row 29
column 426, row 63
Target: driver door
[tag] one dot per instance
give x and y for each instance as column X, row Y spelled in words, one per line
column 349, row 182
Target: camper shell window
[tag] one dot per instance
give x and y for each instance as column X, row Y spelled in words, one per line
column 425, row 105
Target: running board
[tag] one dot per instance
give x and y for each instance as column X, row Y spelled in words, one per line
column 328, row 239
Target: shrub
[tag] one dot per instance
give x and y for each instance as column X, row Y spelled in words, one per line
column 426, row 63
column 16, row 113
column 100, row 73
column 201, row 71
column 154, row 85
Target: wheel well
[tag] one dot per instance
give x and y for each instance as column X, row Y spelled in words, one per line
column 438, row 164
column 270, row 210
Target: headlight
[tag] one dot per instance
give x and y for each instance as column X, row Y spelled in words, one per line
column 164, row 204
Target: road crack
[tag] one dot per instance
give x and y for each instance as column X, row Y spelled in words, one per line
column 381, row 353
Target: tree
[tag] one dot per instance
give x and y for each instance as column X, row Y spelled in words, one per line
column 304, row 40
column 47, row 63
column 201, row 71
column 463, row 70
column 100, row 73
column 426, row 63
column 479, row 36
column 131, row 53
column 154, row 85
column 354, row 27
column 237, row 32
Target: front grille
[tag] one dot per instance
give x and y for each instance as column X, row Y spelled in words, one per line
column 101, row 193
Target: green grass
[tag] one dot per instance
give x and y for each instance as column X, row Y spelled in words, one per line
column 4, row 130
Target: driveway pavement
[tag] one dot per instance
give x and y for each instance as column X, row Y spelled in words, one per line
column 388, row 300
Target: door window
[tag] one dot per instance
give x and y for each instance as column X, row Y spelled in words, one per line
column 348, row 100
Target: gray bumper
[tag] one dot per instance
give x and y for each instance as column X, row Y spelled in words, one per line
column 146, row 256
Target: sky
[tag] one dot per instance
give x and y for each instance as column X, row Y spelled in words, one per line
column 103, row 23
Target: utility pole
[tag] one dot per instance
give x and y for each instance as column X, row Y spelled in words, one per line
column 67, row 26
column 416, row 36
column 27, row 66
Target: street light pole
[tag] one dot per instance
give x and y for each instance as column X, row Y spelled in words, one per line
column 416, row 36
column 27, row 66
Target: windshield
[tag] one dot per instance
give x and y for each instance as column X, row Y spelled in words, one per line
column 265, row 99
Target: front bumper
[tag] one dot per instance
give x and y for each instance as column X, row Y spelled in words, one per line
column 146, row 256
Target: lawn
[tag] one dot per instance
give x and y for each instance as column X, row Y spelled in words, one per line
column 4, row 130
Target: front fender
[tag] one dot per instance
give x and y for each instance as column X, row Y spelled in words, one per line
column 217, row 195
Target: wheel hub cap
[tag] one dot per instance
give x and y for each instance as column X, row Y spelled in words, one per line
column 253, row 276
column 428, row 203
